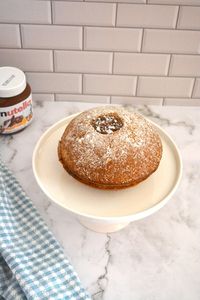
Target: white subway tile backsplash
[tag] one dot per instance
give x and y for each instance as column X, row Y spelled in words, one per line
column 24, row 11
column 109, row 85
column 136, row 100
column 129, row 1
column 171, row 41
column 9, row 36
column 151, row 16
column 102, row 51
column 182, row 102
column 112, row 39
column 185, row 65
column 141, row 64
column 83, row 61
column 189, row 18
column 84, row 13
column 43, row 97
column 27, row 60
column 55, row 82
column 178, row 2
column 83, row 98
column 51, row 37
column 196, row 93
column 165, row 87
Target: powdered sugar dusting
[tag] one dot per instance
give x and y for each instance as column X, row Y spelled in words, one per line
column 120, row 156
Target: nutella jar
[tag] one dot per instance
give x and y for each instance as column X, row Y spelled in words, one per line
column 15, row 100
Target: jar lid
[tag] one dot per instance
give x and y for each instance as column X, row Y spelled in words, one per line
column 12, row 82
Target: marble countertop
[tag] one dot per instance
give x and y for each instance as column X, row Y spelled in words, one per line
column 157, row 258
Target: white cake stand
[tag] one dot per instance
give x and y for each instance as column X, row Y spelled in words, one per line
column 101, row 210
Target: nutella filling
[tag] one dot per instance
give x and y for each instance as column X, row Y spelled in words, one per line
column 106, row 124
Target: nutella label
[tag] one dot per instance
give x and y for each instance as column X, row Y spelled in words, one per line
column 16, row 117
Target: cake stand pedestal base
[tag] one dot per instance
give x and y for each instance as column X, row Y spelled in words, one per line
column 102, row 227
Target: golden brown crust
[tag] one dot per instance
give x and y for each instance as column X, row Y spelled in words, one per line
column 110, row 161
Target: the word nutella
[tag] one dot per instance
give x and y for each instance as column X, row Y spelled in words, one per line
column 15, row 100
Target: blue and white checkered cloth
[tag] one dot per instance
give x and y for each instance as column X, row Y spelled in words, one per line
column 32, row 263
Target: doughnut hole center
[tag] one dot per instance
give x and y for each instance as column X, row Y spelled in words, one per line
column 107, row 124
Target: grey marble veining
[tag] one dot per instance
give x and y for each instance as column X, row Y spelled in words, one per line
column 157, row 258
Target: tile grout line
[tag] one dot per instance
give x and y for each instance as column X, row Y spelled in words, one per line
column 112, row 71
column 113, row 63
column 20, row 36
column 51, row 7
column 136, row 88
column 83, row 43
column 177, row 18
column 116, row 14
column 113, row 95
column 66, row 93
column 129, row 2
column 101, row 51
column 120, row 75
column 110, row 95
column 193, row 88
column 53, row 51
column 171, row 55
column 83, row 37
column 169, row 66
column 104, row 95
column 53, row 60
column 82, row 75
column 142, row 41
column 53, row 63
column 106, row 26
